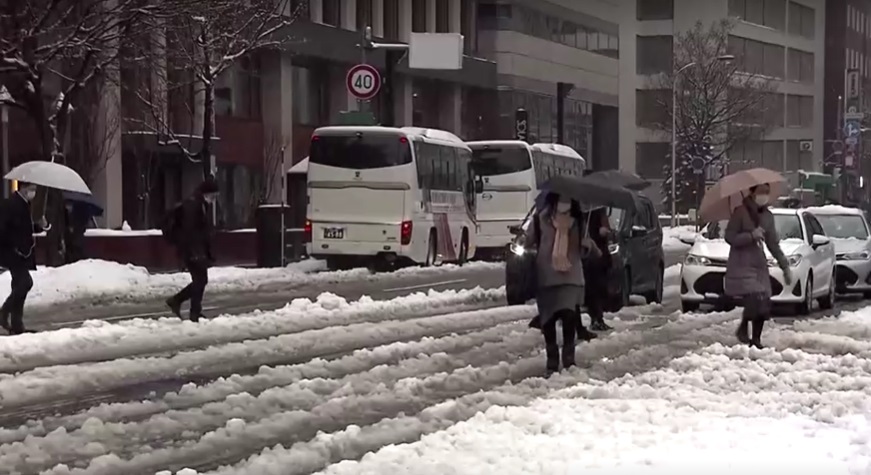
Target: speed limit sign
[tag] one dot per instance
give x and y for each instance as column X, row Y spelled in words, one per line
column 363, row 81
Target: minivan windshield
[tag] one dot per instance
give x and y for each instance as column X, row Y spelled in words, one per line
column 360, row 151
column 843, row 226
column 493, row 160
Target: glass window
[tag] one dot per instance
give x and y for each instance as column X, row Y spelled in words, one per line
column 364, row 14
column 774, row 60
column 799, row 110
column 772, row 154
column 494, row 160
column 391, row 20
column 651, row 158
column 775, row 14
column 332, row 12
column 360, row 151
column 754, row 12
column 806, row 67
column 654, row 54
column 843, row 226
column 754, row 56
column 654, row 9
column 248, row 88
column 788, row 226
column 801, row 20
column 773, row 109
column 651, row 107
column 307, row 95
column 443, row 16
column 418, row 16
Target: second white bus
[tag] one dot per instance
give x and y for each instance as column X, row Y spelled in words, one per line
column 512, row 171
column 382, row 196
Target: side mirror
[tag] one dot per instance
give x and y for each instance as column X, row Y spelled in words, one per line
column 637, row 231
column 820, row 240
column 516, row 230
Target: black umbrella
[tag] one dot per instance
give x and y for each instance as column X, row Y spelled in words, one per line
column 589, row 191
column 627, row 180
column 93, row 206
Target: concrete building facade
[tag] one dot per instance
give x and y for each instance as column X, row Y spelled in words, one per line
column 782, row 39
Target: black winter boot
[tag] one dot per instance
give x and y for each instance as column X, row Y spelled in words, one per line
column 756, row 338
column 583, row 333
column 742, row 333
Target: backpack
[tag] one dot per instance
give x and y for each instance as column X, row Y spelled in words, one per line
column 171, row 223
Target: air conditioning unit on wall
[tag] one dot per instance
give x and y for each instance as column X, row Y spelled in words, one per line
column 806, row 146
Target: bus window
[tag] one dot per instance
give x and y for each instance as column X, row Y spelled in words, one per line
column 493, row 161
column 360, row 151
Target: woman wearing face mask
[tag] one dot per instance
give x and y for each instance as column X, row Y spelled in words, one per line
column 751, row 227
column 560, row 275
column 16, row 253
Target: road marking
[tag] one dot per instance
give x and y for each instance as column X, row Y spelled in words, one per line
column 122, row 317
column 423, row 286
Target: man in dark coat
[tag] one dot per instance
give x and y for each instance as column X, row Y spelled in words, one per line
column 16, row 253
column 195, row 247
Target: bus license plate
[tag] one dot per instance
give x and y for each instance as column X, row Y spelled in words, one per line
column 334, row 233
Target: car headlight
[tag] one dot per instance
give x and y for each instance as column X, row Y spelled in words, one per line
column 517, row 249
column 793, row 261
column 857, row 256
column 694, row 260
column 613, row 248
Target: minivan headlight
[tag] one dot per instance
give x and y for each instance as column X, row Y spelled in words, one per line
column 694, row 260
column 856, row 256
column 517, row 249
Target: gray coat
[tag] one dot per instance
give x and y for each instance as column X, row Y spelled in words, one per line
column 547, row 276
column 747, row 268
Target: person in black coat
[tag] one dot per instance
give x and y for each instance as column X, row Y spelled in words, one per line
column 16, row 253
column 597, row 269
column 195, row 247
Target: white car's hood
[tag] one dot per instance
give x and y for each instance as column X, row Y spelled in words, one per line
column 719, row 249
column 843, row 246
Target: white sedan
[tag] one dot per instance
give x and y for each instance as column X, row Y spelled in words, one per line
column 810, row 253
column 849, row 231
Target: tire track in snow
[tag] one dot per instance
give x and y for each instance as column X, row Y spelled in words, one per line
column 53, row 383
column 99, row 341
column 237, row 439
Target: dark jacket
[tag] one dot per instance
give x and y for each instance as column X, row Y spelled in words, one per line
column 16, row 233
column 195, row 236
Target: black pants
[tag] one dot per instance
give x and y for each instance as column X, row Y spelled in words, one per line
column 199, row 271
column 14, row 305
column 569, row 320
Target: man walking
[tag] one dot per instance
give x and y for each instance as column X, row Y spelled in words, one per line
column 193, row 238
column 16, row 253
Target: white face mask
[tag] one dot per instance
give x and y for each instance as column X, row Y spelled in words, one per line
column 564, row 206
column 29, row 194
column 762, row 200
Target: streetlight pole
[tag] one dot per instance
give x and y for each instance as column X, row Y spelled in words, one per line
column 724, row 57
column 4, row 118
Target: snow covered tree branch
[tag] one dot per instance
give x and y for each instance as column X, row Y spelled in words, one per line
column 204, row 39
column 720, row 104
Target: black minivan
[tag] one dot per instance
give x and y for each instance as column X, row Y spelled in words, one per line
column 639, row 262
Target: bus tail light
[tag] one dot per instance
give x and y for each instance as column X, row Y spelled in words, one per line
column 308, row 231
column 405, row 232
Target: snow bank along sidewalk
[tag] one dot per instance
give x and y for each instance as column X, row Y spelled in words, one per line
column 95, row 280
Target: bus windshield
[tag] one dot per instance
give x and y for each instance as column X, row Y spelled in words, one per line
column 361, row 151
column 493, row 161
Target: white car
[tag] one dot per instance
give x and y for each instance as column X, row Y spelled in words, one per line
column 810, row 253
column 848, row 229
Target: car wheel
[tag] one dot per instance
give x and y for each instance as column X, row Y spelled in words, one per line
column 432, row 250
column 828, row 302
column 807, row 305
column 689, row 306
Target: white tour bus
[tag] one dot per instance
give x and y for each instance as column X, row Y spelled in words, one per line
column 383, row 195
column 512, row 171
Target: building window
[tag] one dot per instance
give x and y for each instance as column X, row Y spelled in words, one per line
column 772, row 113
column 307, row 96
column 418, row 16
column 592, row 35
column 248, row 88
column 240, row 189
column 802, row 21
column 770, row 13
column 800, row 66
column 391, row 20
column 654, row 54
column 799, row 111
column 796, row 158
column 364, row 14
column 756, row 57
column 332, row 12
column 443, row 16
column 467, row 27
column 651, row 158
column 654, row 10
column 651, row 107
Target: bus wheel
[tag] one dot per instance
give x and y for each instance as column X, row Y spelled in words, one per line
column 464, row 248
column 432, row 250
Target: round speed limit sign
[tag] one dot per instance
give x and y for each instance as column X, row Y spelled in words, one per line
column 363, row 81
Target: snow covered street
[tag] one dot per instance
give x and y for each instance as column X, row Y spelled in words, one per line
column 436, row 383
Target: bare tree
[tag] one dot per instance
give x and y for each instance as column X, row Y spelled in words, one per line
column 203, row 40
column 96, row 132
column 719, row 103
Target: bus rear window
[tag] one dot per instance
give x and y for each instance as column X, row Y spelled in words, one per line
column 360, row 152
column 492, row 161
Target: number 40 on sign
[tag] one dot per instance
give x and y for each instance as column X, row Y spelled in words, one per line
column 363, row 81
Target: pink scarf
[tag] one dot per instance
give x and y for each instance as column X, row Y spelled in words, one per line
column 562, row 223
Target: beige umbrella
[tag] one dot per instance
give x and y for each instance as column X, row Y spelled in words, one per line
column 730, row 191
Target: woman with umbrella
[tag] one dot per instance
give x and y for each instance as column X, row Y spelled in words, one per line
column 743, row 199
